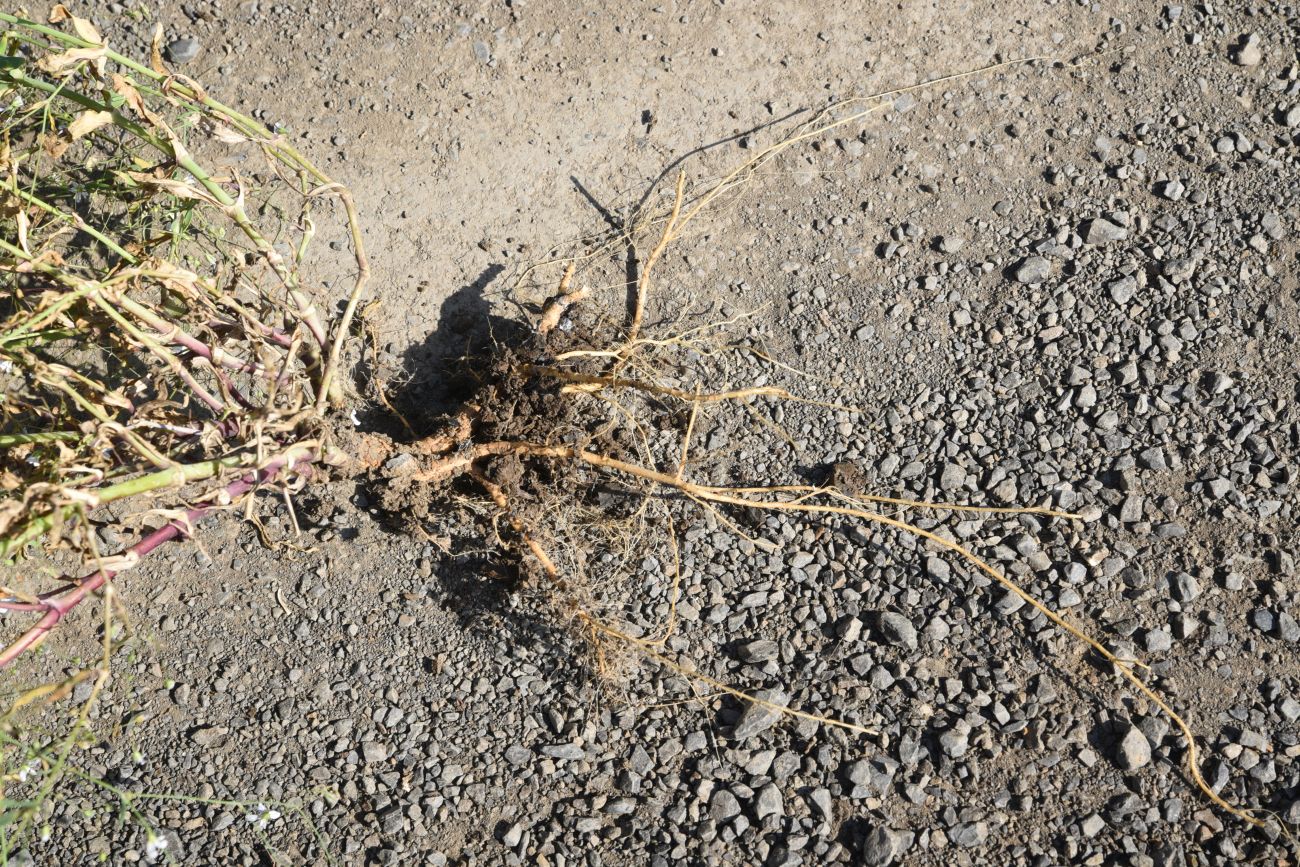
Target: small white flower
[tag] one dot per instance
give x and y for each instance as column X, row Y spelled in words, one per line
column 46, row 833
column 32, row 769
column 356, row 422
column 154, row 846
column 261, row 816
column 6, row 366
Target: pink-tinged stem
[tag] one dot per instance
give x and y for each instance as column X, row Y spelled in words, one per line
column 214, row 403
column 232, row 388
column 15, row 605
column 57, row 607
column 173, row 333
column 275, row 335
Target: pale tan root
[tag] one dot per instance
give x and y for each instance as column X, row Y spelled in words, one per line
column 560, row 304
column 597, row 627
column 462, row 461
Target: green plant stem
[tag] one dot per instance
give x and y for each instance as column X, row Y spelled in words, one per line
column 175, row 334
column 274, row 144
column 173, row 477
column 73, row 220
column 51, row 312
column 94, row 293
column 173, row 149
column 58, row 379
column 162, row 353
column 18, row 439
column 120, row 120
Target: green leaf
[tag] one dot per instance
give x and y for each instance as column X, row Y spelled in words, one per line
column 8, row 61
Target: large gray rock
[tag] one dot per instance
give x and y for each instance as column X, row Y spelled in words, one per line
column 897, row 629
column 1034, row 269
column 883, row 846
column 183, row 50
column 769, row 802
column 1133, row 750
column 1102, row 231
column 758, row 718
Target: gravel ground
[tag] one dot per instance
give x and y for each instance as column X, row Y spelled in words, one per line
column 1070, row 283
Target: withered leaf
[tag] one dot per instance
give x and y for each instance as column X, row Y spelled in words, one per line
column 57, row 63
column 87, row 122
column 82, row 26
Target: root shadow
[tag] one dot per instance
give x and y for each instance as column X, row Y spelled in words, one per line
column 442, row 371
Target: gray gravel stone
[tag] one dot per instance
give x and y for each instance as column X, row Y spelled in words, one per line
column 897, row 629
column 756, row 718
column 1287, row 628
column 1157, row 641
column 1263, row 620
column 723, row 806
column 1032, row 270
column 1133, row 750
column 209, row 736
column 849, row 629
column 1172, row 190
column 951, row 477
column 955, row 741
column 1122, row 290
column 882, row 846
column 822, row 803
column 1102, row 231
column 1184, row 587
column 567, row 752
column 769, row 802
column 183, row 50
column 1248, row 51
column 1180, row 269
column 969, row 834
column 759, row 650
column 511, row 835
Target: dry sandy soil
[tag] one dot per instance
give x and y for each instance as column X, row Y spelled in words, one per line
column 1144, row 375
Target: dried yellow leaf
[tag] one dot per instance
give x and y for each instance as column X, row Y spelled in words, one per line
column 56, row 63
column 84, row 28
column 155, row 52
column 87, row 122
column 127, row 91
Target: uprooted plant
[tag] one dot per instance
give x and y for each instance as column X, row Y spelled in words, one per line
column 164, row 353
column 164, row 349
column 553, row 427
column 158, row 328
